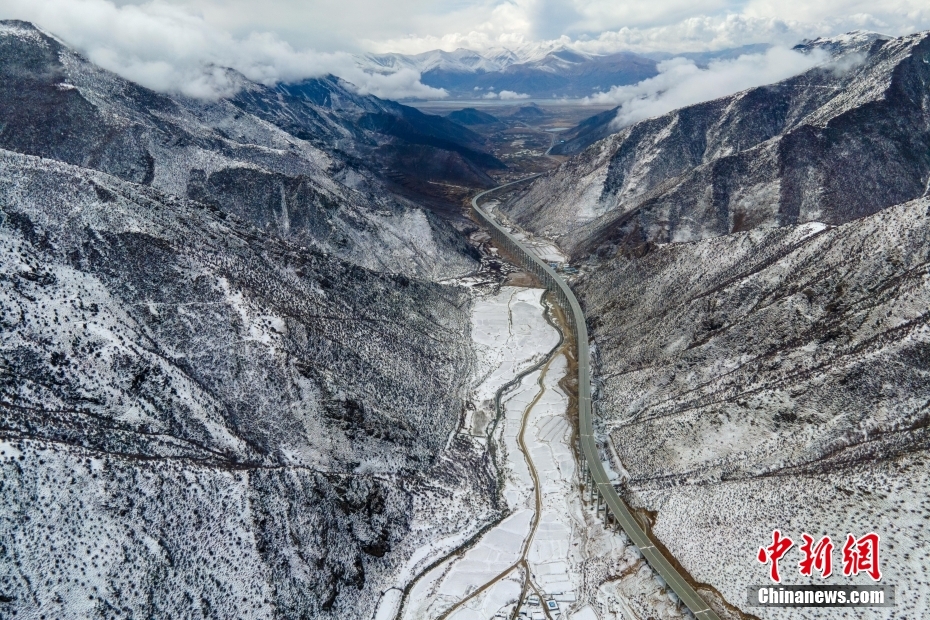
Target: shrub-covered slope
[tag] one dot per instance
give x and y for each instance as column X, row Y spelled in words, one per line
column 198, row 419
column 775, row 378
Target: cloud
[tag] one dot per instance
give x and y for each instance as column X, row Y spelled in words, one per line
column 847, row 63
column 681, row 82
column 182, row 45
column 403, row 84
column 705, row 33
column 171, row 49
column 506, row 95
column 607, row 26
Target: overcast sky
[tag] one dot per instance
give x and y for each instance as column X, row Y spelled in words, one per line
column 166, row 44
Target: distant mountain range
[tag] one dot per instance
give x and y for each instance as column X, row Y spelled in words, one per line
column 539, row 70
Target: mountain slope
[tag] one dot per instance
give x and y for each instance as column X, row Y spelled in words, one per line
column 775, row 378
column 846, row 51
column 821, row 146
column 754, row 273
column 471, row 116
column 57, row 105
column 194, row 413
column 367, row 129
column 229, row 379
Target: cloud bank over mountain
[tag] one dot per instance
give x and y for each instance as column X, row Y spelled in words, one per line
column 681, row 82
column 169, row 48
column 608, row 26
column 184, row 46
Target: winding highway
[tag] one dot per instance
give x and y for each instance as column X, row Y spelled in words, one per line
column 592, row 468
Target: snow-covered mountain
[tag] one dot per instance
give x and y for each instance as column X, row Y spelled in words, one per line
column 320, row 132
column 229, row 377
column 194, row 412
column 543, row 70
column 755, row 279
column 233, row 371
column 461, row 60
column 838, row 142
column 773, row 378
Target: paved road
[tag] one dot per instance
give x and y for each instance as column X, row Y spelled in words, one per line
column 598, row 482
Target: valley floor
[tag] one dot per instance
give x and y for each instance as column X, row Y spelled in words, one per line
column 549, row 546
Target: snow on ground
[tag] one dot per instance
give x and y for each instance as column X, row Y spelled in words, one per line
column 496, row 551
column 540, row 246
column 545, row 250
column 387, row 606
column 574, row 560
column 497, row 602
column 586, row 570
column 553, row 558
column 585, row 613
column 510, row 334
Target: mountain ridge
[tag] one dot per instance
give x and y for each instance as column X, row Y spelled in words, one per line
column 59, row 105
column 815, row 147
column 230, row 374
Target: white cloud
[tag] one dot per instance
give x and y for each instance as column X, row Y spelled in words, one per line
column 705, row 33
column 506, row 95
column 681, row 82
column 606, row 26
column 402, row 84
column 177, row 44
column 171, row 49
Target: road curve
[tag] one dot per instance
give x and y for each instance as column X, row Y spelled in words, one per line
column 591, row 464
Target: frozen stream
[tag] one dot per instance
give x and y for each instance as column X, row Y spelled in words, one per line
column 548, row 547
column 536, row 549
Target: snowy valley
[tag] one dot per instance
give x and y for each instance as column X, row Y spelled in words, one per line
column 258, row 359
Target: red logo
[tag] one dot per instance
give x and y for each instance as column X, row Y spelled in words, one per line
column 819, row 556
column 774, row 552
column 859, row 555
